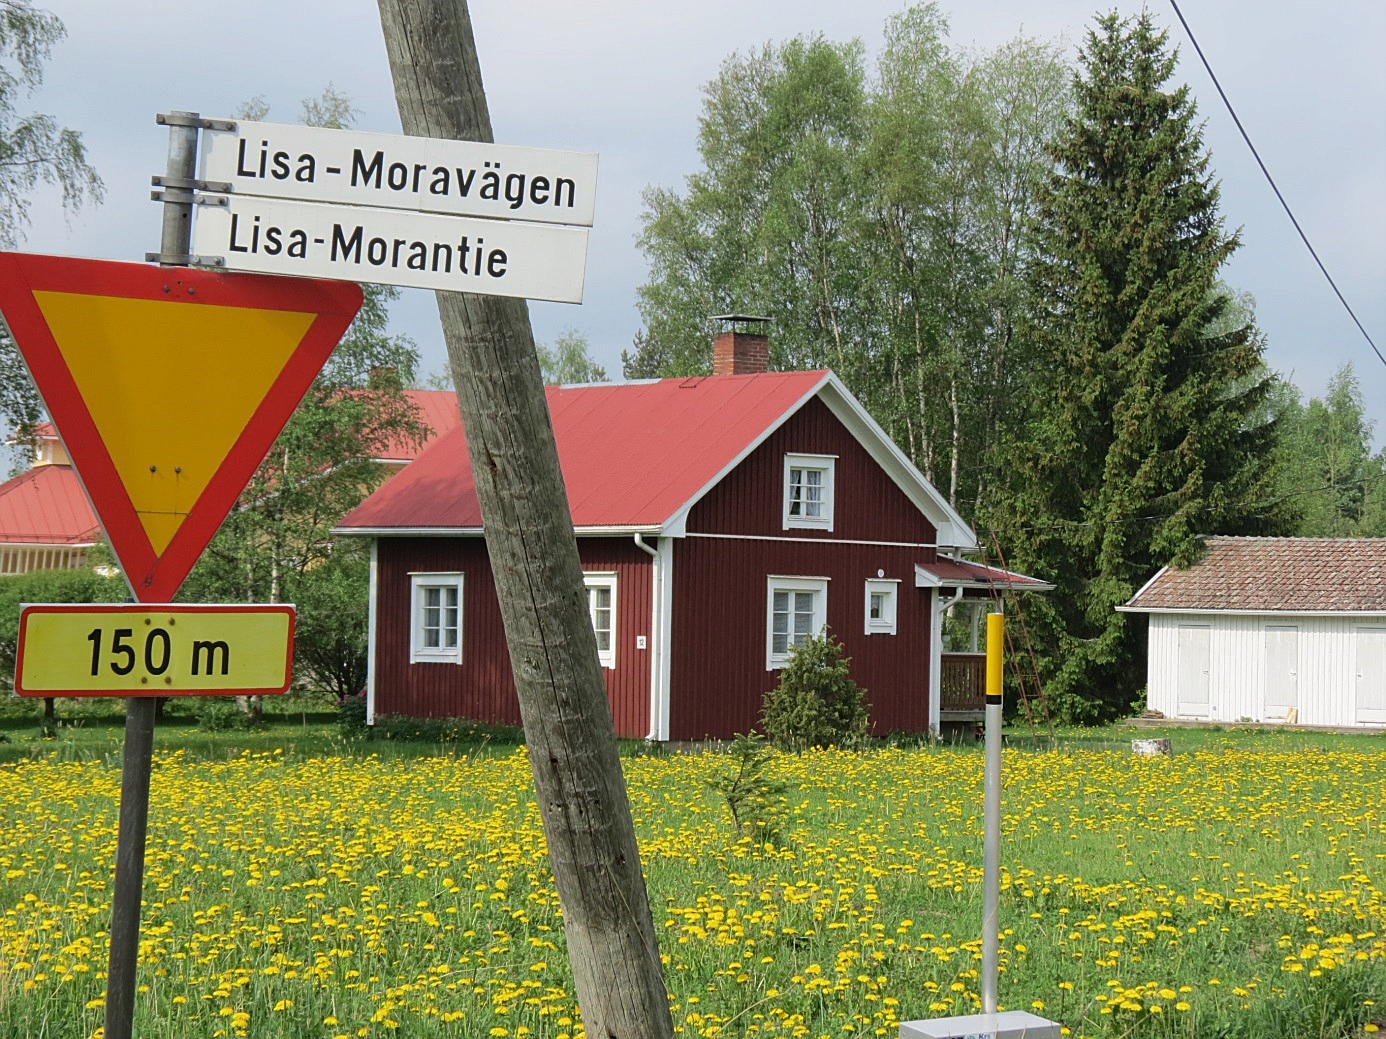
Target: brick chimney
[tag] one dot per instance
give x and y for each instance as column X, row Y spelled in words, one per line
column 738, row 352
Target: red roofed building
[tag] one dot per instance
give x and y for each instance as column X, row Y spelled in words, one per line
column 1270, row 630
column 46, row 522
column 719, row 520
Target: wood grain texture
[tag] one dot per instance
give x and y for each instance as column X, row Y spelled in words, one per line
column 568, row 729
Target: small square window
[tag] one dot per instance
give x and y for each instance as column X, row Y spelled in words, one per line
column 880, row 606
column 797, row 609
column 809, row 491
column 436, row 609
column 601, row 607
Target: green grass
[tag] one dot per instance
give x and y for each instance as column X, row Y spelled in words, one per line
column 300, row 884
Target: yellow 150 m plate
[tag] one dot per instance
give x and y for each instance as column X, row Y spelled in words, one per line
column 141, row 650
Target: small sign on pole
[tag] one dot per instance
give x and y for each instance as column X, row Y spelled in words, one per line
column 396, row 171
column 393, row 247
column 460, row 216
column 137, row 650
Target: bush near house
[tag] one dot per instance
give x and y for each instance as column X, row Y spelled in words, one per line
column 816, row 704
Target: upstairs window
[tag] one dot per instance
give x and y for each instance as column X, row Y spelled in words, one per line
column 436, row 609
column 601, row 607
column 809, row 491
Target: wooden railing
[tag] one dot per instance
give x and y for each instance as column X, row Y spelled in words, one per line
column 963, row 682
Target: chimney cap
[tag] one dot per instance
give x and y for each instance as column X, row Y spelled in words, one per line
column 734, row 318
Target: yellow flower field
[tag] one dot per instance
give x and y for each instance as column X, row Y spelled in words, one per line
column 1219, row 893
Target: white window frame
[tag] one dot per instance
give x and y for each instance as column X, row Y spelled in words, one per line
column 419, row 586
column 607, row 580
column 774, row 661
column 886, row 623
column 826, row 466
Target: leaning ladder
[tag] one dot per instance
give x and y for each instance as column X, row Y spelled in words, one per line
column 1019, row 649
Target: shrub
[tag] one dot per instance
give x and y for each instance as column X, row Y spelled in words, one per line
column 816, row 703
column 220, row 714
column 754, row 797
column 351, row 715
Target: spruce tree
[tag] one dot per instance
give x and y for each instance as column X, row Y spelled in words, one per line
column 1147, row 425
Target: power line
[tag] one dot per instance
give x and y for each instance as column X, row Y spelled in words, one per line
column 1066, row 524
column 1271, row 181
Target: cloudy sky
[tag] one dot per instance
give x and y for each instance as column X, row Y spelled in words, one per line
column 624, row 78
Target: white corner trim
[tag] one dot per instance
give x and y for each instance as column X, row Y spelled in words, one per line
column 372, row 616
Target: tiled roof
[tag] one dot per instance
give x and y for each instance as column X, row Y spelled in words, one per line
column 46, row 506
column 1294, row 575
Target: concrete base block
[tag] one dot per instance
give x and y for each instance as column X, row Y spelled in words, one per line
column 1012, row 1024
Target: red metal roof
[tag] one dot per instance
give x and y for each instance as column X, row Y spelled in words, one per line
column 963, row 573
column 1295, row 575
column 46, row 506
column 437, row 410
column 632, row 454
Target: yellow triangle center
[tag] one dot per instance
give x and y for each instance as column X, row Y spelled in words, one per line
column 169, row 387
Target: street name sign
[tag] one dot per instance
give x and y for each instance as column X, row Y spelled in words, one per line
column 394, row 171
column 138, row 650
column 167, row 386
column 393, row 247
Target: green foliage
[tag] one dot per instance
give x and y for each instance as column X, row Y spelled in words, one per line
column 568, row 361
column 882, row 222
column 34, row 151
column 64, row 586
column 1147, row 418
column 754, row 796
column 816, row 704
column 1329, row 473
column 351, row 715
column 330, row 633
column 447, row 731
column 220, row 714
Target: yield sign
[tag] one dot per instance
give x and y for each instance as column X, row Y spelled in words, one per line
column 168, row 386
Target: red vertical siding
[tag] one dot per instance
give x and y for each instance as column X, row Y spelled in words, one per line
column 628, row 683
column 482, row 687
column 868, row 504
column 718, row 673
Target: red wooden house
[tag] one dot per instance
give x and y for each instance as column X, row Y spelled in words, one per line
column 719, row 520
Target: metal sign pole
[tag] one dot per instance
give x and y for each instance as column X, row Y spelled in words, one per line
column 175, row 246
column 991, row 854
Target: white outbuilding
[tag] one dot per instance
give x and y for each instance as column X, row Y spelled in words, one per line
column 1270, row 630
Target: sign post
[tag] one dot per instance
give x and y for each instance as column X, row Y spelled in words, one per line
column 168, row 385
column 139, row 711
column 991, row 1023
column 138, row 754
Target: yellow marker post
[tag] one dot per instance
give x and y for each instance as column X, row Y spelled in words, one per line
column 991, row 801
column 138, row 650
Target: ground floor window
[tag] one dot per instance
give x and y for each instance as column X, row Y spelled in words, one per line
column 601, row 606
column 796, row 609
column 436, row 609
column 880, row 606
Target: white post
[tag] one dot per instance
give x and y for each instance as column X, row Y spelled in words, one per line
column 991, row 854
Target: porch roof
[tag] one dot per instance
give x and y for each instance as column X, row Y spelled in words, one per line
column 967, row 575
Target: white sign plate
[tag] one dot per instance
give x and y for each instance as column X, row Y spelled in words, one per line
column 389, row 247
column 465, row 178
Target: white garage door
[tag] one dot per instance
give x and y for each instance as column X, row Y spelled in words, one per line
column 1371, row 676
column 1192, row 674
column 1282, row 670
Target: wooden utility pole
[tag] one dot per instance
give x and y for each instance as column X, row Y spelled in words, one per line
column 529, row 535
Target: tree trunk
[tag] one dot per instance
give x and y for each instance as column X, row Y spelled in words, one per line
column 529, row 535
